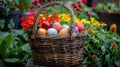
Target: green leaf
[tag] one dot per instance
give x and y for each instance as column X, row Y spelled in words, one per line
column 3, row 35
column 19, row 42
column 99, row 63
column 16, row 2
column 7, row 41
column 107, row 57
column 103, row 50
column 117, row 63
column 27, row 48
column 0, row 41
column 85, row 60
column 12, row 60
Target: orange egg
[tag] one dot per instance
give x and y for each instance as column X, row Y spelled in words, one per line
column 63, row 31
column 42, row 31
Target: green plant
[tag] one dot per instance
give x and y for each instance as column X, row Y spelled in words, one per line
column 108, row 7
column 7, row 5
column 102, row 47
column 14, row 48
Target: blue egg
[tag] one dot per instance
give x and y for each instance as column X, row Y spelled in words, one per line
column 52, row 31
column 65, row 26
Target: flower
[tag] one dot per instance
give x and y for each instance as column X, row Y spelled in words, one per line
column 113, row 45
column 94, row 57
column 29, row 21
column 90, row 30
column 113, row 28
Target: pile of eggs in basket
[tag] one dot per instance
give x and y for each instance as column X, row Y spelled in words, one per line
column 58, row 29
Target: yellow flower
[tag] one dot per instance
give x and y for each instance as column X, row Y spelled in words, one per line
column 92, row 19
column 83, row 20
column 49, row 15
column 64, row 17
column 87, row 22
column 103, row 24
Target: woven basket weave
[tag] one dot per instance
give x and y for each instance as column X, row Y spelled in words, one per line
column 57, row 50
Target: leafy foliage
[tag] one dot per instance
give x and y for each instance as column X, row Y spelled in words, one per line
column 104, row 45
column 13, row 50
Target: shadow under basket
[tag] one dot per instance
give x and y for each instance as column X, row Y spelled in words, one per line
column 57, row 51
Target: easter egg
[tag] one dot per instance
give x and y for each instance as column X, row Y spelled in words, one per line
column 65, row 26
column 76, row 29
column 80, row 26
column 52, row 31
column 63, row 31
column 57, row 26
column 46, row 25
column 42, row 31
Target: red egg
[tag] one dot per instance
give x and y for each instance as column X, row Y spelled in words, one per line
column 80, row 26
column 57, row 26
column 46, row 25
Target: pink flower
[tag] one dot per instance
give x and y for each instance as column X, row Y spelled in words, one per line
column 35, row 1
column 84, row 1
column 94, row 6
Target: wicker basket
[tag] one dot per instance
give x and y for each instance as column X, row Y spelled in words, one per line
column 57, row 50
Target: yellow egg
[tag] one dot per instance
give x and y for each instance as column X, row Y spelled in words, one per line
column 63, row 31
column 42, row 31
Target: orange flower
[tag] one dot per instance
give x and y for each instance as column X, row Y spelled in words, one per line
column 94, row 57
column 113, row 45
column 113, row 28
column 90, row 30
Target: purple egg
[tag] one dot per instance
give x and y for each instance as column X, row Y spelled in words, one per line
column 76, row 28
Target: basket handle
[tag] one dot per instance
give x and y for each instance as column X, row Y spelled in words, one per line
column 72, row 23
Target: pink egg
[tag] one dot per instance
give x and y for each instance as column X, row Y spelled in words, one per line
column 80, row 26
column 46, row 25
column 57, row 26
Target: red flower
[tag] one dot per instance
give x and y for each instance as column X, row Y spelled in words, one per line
column 49, row 19
column 32, row 7
column 44, row 15
column 113, row 45
column 113, row 28
column 89, row 13
column 55, row 19
column 55, row 12
column 74, row 5
column 80, row 3
column 28, row 22
column 94, row 57
column 78, row 9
